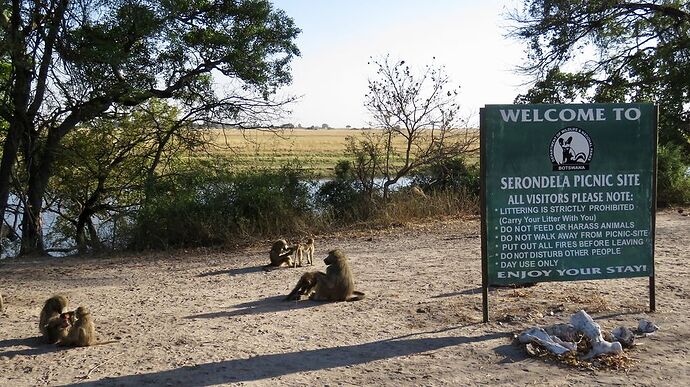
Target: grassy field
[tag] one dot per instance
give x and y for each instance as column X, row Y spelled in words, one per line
column 316, row 150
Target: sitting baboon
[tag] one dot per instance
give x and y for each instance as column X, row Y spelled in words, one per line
column 336, row 284
column 281, row 254
column 82, row 333
column 50, row 322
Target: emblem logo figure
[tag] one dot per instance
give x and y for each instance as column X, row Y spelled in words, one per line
column 571, row 150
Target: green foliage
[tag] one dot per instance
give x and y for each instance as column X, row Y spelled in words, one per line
column 103, row 169
column 72, row 62
column 636, row 52
column 368, row 152
column 205, row 205
column 450, row 175
column 673, row 182
column 342, row 199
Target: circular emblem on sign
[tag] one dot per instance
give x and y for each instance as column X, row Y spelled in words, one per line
column 571, row 150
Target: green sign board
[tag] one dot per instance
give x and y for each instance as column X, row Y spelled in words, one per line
column 568, row 192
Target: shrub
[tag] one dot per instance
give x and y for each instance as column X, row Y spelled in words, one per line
column 342, row 200
column 673, row 183
column 452, row 174
column 202, row 207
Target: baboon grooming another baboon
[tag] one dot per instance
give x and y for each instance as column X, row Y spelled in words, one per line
column 83, row 332
column 50, row 321
column 302, row 249
column 281, row 254
column 336, row 284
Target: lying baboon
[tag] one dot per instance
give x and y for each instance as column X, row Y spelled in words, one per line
column 334, row 285
column 281, row 254
column 50, row 322
column 82, row 333
column 305, row 285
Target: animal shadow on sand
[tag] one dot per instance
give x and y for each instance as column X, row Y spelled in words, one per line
column 280, row 364
column 265, row 305
column 36, row 347
column 234, row 272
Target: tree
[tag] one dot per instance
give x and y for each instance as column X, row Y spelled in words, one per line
column 73, row 61
column 107, row 169
column 419, row 118
column 639, row 50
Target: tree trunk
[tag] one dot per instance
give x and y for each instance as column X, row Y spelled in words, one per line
column 9, row 155
column 32, row 232
column 38, row 168
column 81, row 232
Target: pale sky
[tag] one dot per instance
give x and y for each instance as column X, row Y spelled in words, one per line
column 339, row 37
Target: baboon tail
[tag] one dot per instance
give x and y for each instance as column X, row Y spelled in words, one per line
column 356, row 296
column 105, row 342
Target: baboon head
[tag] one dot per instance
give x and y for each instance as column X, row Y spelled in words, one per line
column 81, row 312
column 334, row 257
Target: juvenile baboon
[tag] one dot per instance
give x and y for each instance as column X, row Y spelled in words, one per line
column 83, row 332
column 334, row 285
column 299, row 252
column 50, row 323
column 281, row 254
column 305, row 285
column 308, row 249
column 302, row 249
column 68, row 318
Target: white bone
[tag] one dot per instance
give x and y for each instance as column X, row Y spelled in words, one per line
column 552, row 344
column 584, row 323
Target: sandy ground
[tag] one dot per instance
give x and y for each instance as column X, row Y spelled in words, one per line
column 209, row 317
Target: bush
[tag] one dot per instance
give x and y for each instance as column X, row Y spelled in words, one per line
column 453, row 174
column 202, row 208
column 342, row 200
column 673, row 183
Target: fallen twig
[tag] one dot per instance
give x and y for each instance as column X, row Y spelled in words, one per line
column 88, row 374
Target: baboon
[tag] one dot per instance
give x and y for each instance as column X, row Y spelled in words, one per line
column 68, row 318
column 50, row 322
column 280, row 254
column 302, row 249
column 82, row 333
column 308, row 249
column 305, row 285
column 334, row 285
